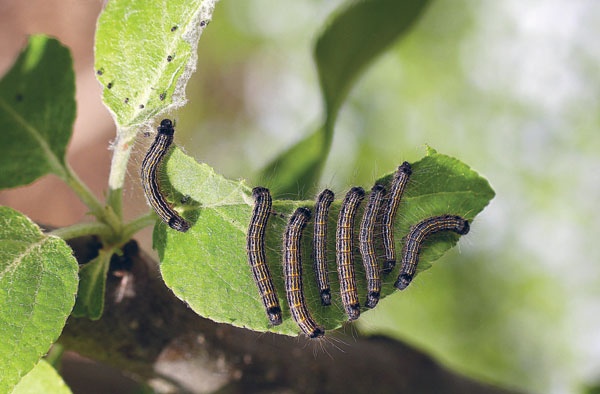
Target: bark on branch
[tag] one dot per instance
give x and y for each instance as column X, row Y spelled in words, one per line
column 147, row 331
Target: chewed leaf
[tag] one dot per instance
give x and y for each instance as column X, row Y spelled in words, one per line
column 207, row 266
column 38, row 282
column 145, row 54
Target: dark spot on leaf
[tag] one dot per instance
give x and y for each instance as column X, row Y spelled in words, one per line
column 110, row 85
column 169, row 58
column 141, row 106
column 162, row 96
column 204, row 23
column 126, row 100
column 100, row 71
column 174, row 28
column 19, row 97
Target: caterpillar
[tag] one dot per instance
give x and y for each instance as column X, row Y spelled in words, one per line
column 149, row 173
column 344, row 246
column 292, row 271
column 255, row 248
column 366, row 242
column 398, row 185
column 324, row 200
column 415, row 238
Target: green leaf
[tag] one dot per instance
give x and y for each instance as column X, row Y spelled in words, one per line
column 42, row 379
column 92, row 283
column 133, row 43
column 354, row 38
column 38, row 282
column 37, row 110
column 207, row 266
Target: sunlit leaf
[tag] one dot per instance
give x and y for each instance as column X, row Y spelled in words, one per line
column 38, row 282
column 42, row 379
column 145, row 54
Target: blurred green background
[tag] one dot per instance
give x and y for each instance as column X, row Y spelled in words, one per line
column 511, row 88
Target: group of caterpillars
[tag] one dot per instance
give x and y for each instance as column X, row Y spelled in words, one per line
column 379, row 213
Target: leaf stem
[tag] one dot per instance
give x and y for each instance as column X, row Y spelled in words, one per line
column 83, row 229
column 138, row 223
column 118, row 167
column 104, row 214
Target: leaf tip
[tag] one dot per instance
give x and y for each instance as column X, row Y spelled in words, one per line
column 429, row 150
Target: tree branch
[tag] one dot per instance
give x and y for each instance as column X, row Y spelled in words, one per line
column 147, row 331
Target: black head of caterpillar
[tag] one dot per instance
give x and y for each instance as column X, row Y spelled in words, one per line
column 149, row 173
column 166, row 127
column 417, row 235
